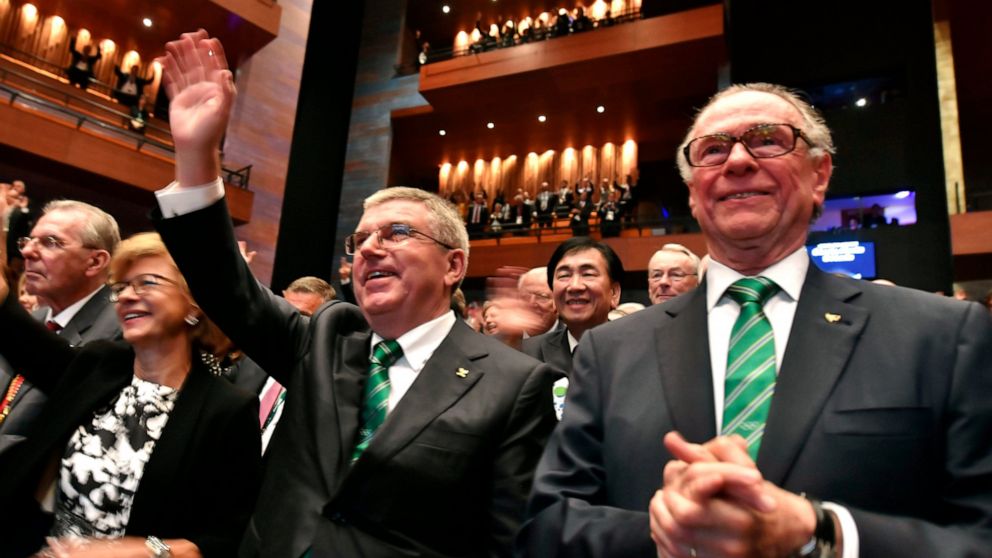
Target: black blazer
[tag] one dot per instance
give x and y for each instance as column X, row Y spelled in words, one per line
column 552, row 348
column 449, row 471
column 201, row 480
column 886, row 410
column 95, row 320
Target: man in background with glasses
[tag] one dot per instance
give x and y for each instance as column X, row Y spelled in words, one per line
column 802, row 414
column 672, row 271
column 66, row 265
column 405, row 432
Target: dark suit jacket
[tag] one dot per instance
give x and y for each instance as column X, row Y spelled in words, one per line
column 887, row 411
column 95, row 320
column 551, row 348
column 201, row 480
column 448, row 472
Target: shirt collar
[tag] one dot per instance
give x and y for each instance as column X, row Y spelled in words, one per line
column 69, row 312
column 788, row 273
column 572, row 341
column 419, row 343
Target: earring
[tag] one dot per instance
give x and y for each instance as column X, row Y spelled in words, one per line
column 192, row 320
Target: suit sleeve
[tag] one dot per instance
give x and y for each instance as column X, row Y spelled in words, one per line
column 40, row 355
column 264, row 326
column 567, row 513
column 963, row 518
column 530, row 424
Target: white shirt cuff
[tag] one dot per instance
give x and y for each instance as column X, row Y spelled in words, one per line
column 848, row 529
column 174, row 202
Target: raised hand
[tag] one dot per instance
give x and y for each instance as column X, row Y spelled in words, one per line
column 202, row 93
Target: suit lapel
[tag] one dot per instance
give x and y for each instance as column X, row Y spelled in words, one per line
column 437, row 387
column 824, row 333
column 349, row 379
column 682, row 344
column 557, row 352
column 83, row 320
column 170, row 449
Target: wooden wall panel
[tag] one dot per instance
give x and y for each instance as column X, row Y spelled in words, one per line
column 377, row 93
column 261, row 129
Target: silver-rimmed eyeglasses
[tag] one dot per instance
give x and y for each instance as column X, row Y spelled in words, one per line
column 391, row 235
column 763, row 141
column 48, row 242
column 140, row 284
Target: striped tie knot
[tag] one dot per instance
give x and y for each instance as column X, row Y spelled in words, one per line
column 751, row 290
column 386, row 353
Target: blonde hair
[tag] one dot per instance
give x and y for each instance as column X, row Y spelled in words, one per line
column 150, row 245
column 136, row 247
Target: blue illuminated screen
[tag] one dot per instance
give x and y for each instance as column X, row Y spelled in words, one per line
column 852, row 258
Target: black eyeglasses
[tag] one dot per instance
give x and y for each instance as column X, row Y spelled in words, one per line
column 763, row 141
column 140, row 284
column 390, row 235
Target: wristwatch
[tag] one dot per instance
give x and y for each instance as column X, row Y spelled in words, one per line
column 158, row 548
column 824, row 540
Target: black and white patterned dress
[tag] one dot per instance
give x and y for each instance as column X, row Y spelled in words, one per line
column 105, row 459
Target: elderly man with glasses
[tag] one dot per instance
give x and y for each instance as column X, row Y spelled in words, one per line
column 672, row 271
column 802, row 414
column 66, row 265
column 405, row 433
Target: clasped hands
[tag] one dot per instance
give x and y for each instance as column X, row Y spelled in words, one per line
column 714, row 502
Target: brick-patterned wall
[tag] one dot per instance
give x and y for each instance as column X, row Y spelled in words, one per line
column 261, row 129
column 377, row 93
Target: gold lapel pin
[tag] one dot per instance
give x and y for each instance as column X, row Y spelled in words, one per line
column 831, row 318
column 461, row 373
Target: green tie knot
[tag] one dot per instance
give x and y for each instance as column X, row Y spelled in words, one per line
column 751, row 290
column 386, row 353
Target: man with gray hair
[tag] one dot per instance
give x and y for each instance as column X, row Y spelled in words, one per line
column 66, row 265
column 673, row 270
column 308, row 293
column 802, row 414
column 405, row 431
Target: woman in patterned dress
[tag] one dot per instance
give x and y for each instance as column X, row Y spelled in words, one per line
column 140, row 450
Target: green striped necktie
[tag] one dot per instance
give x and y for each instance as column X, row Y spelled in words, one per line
column 375, row 399
column 750, row 378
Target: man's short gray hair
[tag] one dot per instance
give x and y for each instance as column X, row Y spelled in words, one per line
column 445, row 222
column 680, row 249
column 814, row 126
column 313, row 285
column 100, row 230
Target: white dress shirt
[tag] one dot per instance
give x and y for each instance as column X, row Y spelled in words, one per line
column 789, row 274
column 418, row 346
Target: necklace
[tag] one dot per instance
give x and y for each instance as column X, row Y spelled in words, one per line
column 215, row 365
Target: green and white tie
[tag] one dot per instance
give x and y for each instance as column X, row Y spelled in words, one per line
column 375, row 398
column 750, row 379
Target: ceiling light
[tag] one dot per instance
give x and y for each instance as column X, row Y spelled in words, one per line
column 446, row 8
column 600, row 109
column 902, row 195
column 541, row 118
column 147, row 22
column 441, row 133
column 861, row 102
column 490, row 125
